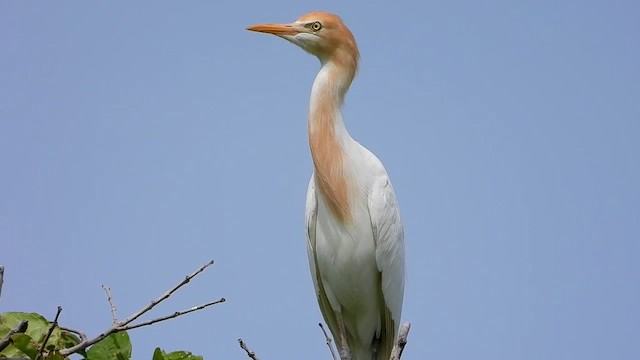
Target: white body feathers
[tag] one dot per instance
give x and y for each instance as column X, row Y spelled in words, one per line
column 358, row 266
column 354, row 233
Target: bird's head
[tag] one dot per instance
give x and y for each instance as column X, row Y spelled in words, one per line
column 320, row 33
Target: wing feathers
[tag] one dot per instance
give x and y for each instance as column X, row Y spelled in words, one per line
column 310, row 224
column 389, row 237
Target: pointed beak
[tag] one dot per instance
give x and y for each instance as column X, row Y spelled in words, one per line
column 278, row 29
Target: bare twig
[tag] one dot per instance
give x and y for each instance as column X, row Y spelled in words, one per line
column 22, row 327
column 165, row 295
column 1, row 278
column 51, row 327
column 398, row 346
column 124, row 325
column 329, row 341
column 171, row 316
column 114, row 313
column 250, row 353
column 83, row 336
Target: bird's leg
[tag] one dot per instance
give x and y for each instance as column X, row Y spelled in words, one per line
column 345, row 352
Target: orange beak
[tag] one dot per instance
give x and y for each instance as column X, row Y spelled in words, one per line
column 278, row 29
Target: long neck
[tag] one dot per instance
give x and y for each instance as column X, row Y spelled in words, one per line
column 328, row 137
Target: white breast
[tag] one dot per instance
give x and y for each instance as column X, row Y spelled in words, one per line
column 346, row 253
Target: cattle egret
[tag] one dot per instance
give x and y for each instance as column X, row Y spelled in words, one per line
column 354, row 232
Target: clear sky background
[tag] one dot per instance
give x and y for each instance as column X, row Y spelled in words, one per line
column 140, row 139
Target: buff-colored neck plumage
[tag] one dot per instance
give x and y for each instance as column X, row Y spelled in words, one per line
column 327, row 133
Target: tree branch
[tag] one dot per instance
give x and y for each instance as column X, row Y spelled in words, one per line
column 250, row 353
column 20, row 328
column 329, row 341
column 398, row 346
column 165, row 295
column 1, row 278
column 51, row 327
column 123, row 325
column 112, row 306
column 83, row 336
column 171, row 316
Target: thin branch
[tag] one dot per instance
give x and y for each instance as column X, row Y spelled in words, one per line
column 250, row 353
column 171, row 316
column 51, row 327
column 1, row 278
column 22, row 327
column 122, row 325
column 165, row 295
column 114, row 312
column 329, row 341
column 83, row 336
column 398, row 346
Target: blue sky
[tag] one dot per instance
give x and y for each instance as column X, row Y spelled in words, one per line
column 139, row 140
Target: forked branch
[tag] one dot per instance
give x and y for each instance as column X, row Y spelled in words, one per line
column 127, row 323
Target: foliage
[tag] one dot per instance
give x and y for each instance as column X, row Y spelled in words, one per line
column 116, row 346
column 159, row 354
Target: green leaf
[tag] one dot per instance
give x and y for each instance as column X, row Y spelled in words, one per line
column 25, row 343
column 38, row 325
column 37, row 330
column 12, row 352
column 159, row 354
column 67, row 340
column 55, row 356
column 114, row 346
column 4, row 330
column 8, row 322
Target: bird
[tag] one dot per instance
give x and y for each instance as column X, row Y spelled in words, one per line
column 355, row 237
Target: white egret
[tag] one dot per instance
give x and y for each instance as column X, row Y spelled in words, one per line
column 354, row 232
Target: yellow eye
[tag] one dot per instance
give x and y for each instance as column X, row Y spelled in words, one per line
column 316, row 26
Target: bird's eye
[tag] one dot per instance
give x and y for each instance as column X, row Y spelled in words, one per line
column 316, row 26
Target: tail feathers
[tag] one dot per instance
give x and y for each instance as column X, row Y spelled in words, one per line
column 379, row 349
column 368, row 353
